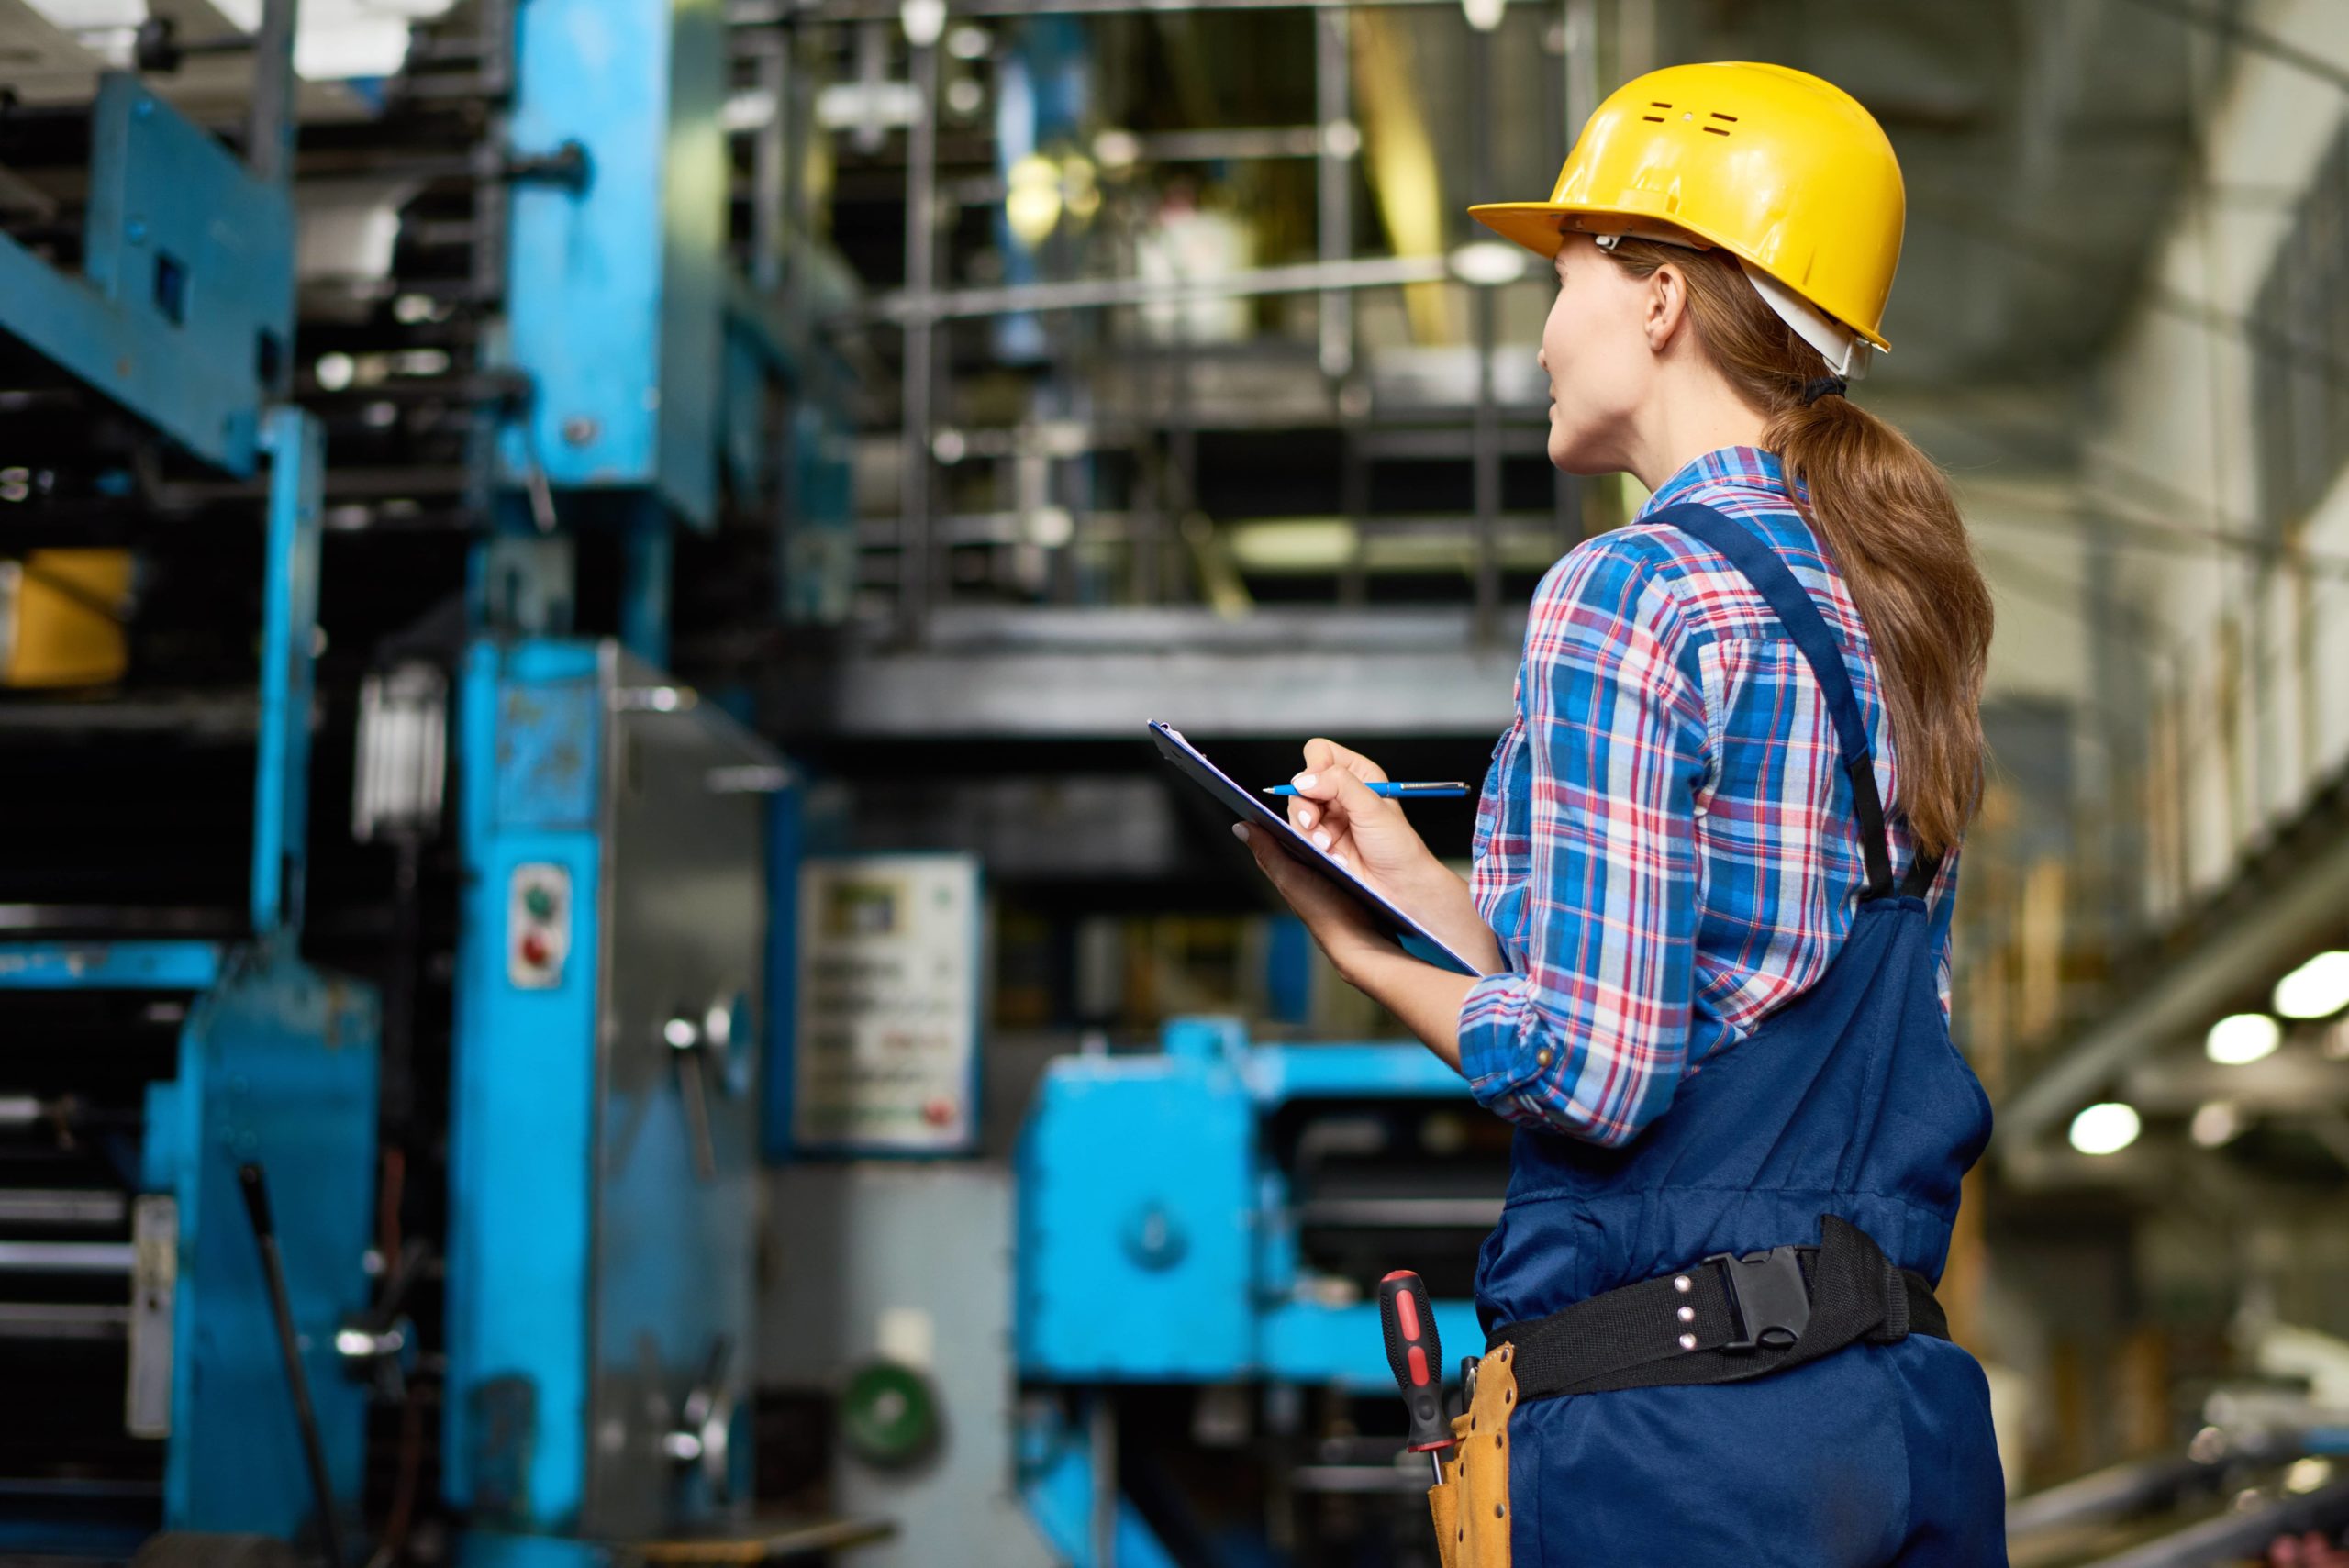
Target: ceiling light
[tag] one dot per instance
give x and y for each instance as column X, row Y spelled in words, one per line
column 1117, row 149
column 2318, row 989
column 1488, row 262
column 1032, row 205
column 2105, row 1129
column 2216, row 1123
column 923, row 21
column 2242, row 1038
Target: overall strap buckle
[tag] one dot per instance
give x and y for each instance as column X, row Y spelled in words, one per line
column 1768, row 1293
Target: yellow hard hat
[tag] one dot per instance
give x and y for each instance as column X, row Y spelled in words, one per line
column 1784, row 170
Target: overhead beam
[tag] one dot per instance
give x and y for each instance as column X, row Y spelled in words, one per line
column 1082, row 675
column 2252, row 937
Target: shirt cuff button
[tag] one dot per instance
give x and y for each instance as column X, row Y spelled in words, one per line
column 1541, row 1057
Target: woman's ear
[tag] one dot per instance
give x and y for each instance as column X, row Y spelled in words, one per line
column 1666, row 305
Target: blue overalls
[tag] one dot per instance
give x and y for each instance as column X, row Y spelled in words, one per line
column 1849, row 1101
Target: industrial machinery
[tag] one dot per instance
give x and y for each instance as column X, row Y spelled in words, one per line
column 1215, row 1219
column 604, row 1118
column 2264, row 1462
column 508, row 282
column 187, row 1107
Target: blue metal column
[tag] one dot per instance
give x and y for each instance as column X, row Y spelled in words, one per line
column 289, row 640
column 522, row 1095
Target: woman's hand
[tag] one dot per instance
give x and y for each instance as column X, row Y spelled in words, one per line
column 1372, row 838
column 1368, row 833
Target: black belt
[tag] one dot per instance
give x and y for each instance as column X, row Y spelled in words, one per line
column 1728, row 1320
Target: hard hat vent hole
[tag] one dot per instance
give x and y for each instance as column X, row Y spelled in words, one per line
column 1715, row 131
column 1719, row 116
column 1652, row 119
column 1657, row 104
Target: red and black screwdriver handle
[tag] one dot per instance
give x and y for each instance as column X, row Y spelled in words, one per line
column 1417, row 1359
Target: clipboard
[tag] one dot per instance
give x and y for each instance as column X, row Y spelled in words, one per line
column 1193, row 764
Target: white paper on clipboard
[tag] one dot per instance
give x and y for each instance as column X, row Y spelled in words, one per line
column 1193, row 764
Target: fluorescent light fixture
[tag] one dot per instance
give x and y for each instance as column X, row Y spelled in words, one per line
column 749, row 109
column 2318, row 989
column 923, row 21
column 2242, row 1037
column 2216, row 1125
column 2105, row 1129
column 1488, row 262
column 1117, row 149
column 843, row 105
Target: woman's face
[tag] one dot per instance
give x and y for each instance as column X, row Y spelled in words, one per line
column 1597, row 350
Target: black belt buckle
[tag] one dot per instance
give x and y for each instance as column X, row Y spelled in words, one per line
column 1768, row 1293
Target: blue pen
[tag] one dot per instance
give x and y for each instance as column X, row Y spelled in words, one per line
column 1397, row 791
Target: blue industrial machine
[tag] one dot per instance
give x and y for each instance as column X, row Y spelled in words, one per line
column 183, row 311
column 131, row 1256
column 613, row 825
column 604, row 1120
column 188, row 1108
column 1217, row 1215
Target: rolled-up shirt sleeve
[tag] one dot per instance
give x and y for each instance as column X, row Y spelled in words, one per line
column 1588, row 1035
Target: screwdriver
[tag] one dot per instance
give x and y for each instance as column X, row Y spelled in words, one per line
column 1417, row 1359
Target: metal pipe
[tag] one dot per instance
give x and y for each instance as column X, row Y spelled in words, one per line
column 255, row 1186
column 1234, row 145
column 1333, row 209
column 1581, row 64
column 33, row 1206
column 63, row 1320
column 2240, row 1533
column 916, row 566
column 269, row 124
column 1486, row 460
column 66, row 1257
column 953, row 305
column 770, row 153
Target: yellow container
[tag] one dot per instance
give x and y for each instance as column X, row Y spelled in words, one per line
column 61, row 618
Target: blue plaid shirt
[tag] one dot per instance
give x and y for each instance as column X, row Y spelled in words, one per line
column 1665, row 844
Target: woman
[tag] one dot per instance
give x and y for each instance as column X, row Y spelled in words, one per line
column 1713, row 997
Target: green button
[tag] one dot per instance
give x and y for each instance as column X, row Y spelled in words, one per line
column 540, row 902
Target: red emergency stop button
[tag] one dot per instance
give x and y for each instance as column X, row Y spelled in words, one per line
column 535, row 951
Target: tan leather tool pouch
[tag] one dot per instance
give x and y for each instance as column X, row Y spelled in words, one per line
column 1470, row 1508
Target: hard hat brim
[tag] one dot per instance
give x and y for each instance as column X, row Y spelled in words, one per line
column 1541, row 228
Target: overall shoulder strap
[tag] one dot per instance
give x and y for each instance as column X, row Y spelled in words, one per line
column 1798, row 612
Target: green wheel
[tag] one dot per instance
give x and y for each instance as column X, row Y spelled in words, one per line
column 889, row 1414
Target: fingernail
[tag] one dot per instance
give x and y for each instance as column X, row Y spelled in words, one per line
column 1343, row 862
column 1305, row 819
column 1240, row 831
column 1303, row 781
column 1320, row 841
